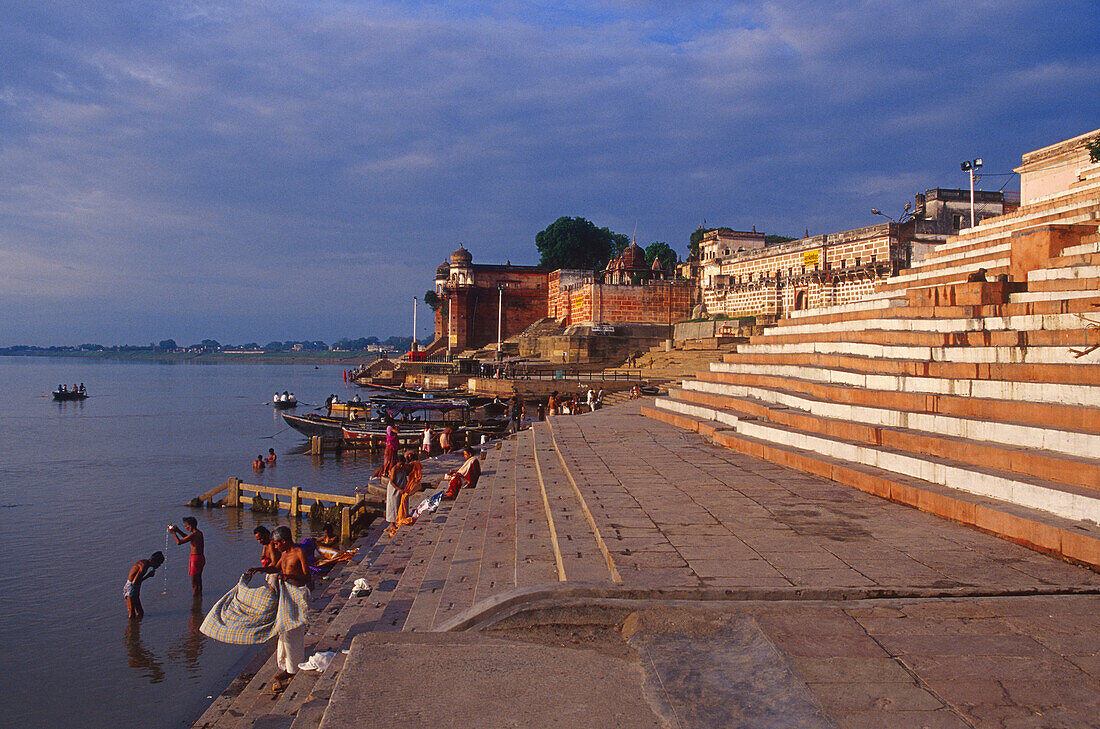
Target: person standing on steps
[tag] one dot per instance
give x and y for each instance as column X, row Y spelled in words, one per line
column 291, row 567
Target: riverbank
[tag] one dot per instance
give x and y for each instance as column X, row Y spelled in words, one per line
column 608, row 555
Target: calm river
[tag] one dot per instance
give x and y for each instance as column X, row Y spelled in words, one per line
column 88, row 488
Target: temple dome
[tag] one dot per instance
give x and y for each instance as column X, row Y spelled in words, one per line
column 461, row 257
column 634, row 257
column 443, row 271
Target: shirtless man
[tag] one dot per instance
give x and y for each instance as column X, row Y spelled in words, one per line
column 258, row 464
column 290, row 567
column 268, row 555
column 142, row 570
column 195, row 538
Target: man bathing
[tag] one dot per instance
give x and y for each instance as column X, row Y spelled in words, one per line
column 290, row 566
column 142, row 570
column 268, row 555
column 195, row 538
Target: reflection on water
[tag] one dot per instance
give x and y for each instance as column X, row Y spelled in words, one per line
column 141, row 658
column 187, row 648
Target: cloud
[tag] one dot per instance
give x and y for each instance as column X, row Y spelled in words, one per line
column 199, row 156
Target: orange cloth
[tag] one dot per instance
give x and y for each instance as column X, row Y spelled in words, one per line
column 412, row 485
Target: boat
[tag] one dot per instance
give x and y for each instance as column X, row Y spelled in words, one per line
column 67, row 395
column 469, row 421
column 285, row 404
column 312, row 424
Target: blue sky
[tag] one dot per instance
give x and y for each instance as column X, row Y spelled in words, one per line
column 291, row 170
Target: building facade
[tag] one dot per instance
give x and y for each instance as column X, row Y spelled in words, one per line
column 740, row 276
column 476, row 299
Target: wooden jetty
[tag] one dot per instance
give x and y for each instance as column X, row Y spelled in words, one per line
column 239, row 493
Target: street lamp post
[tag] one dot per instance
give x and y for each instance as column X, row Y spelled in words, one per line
column 970, row 166
column 500, row 318
column 414, row 324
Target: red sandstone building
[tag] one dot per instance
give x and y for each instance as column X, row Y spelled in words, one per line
column 481, row 303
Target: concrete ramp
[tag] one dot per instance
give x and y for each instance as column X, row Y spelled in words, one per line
column 411, row 680
column 735, row 677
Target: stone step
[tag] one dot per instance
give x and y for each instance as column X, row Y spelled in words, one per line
column 870, row 304
column 1064, row 273
column 422, row 593
column 1029, row 460
column 1070, row 374
column 1086, row 247
column 1072, row 540
column 1076, row 337
column 535, row 562
column 972, row 259
column 1018, row 305
column 1000, row 354
column 877, row 411
column 940, row 325
column 1065, row 285
column 577, row 547
column 990, row 389
column 944, row 277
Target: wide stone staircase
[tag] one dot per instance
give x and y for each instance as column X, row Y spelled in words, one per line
column 976, row 401
column 518, row 528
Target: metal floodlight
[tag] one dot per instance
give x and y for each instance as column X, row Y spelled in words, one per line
column 875, row 211
column 977, row 163
column 966, row 166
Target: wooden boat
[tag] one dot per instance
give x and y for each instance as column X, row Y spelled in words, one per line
column 344, row 409
column 468, row 422
column 312, row 424
column 66, row 395
column 285, row 404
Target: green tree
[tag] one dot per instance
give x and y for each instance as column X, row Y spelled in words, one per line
column 696, row 239
column 773, row 239
column 662, row 250
column 577, row 243
column 431, row 298
column 1094, row 150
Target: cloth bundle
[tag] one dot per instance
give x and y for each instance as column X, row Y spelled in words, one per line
column 428, row 505
column 318, row 661
column 253, row 615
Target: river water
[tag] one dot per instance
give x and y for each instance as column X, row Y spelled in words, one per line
column 88, row 488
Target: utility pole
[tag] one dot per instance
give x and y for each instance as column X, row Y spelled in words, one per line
column 414, row 324
column 970, row 166
column 450, row 326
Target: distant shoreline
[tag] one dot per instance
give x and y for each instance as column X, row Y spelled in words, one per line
column 306, row 358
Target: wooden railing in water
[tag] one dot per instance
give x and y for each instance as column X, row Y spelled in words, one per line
column 237, row 494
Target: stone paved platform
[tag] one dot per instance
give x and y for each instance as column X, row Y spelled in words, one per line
column 728, row 592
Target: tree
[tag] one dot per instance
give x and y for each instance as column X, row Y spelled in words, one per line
column 695, row 240
column 167, row 345
column 770, row 240
column 577, row 243
column 431, row 298
column 662, row 250
column 1094, row 150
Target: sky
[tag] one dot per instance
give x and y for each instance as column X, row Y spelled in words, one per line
column 296, row 169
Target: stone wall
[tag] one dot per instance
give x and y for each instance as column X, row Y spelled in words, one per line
column 654, row 302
